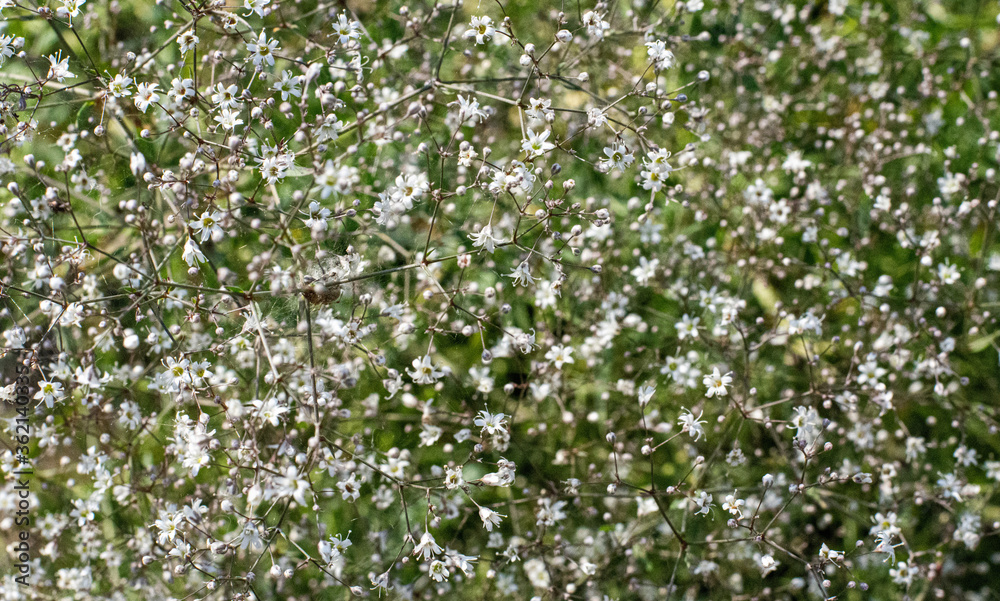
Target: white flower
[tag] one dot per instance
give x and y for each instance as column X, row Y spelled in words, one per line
column 49, row 392
column 645, row 271
column 188, row 41
column 380, row 581
column 768, row 564
column 224, row 96
column 691, row 424
column 468, row 108
column 145, row 95
column 334, row 549
column 904, row 573
column 490, row 422
column 522, row 275
column 256, row 6
column 485, row 239
column 597, row 117
column 658, row 53
column 167, row 525
column 118, row 86
column 537, row 144
column 59, row 67
column 716, row 383
column 948, row 273
column 288, row 85
column 951, row 487
column 645, row 393
column 504, row 476
column 539, row 109
column 427, row 547
column 182, row 88
column 883, row 544
column 829, row 554
column 490, row 518
column 687, row 327
column 481, row 28
column 618, row 157
column 595, row 23
column 453, row 478
column 349, row 488
column 734, row 505
column 703, row 501
column 262, row 50
column 652, row 179
column 208, row 225
column 70, row 9
column 192, row 253
column 228, row 119
column 346, row 29
column 270, row 411
column 423, row 371
column 559, row 355
column 438, row 571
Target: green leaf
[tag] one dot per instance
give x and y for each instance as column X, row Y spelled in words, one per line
column 983, row 342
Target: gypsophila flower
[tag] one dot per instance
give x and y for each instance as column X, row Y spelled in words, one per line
column 192, row 254
column 6, row 48
column 490, row 518
column 346, row 30
column 187, row 41
column 691, row 424
column 481, row 29
column 490, row 422
column 262, row 50
column 208, row 226
column 288, row 85
column 427, row 547
column 271, row 271
column 645, row 393
column 59, row 67
column 119, row 84
column 145, row 96
column 716, row 383
column 228, row 120
column 485, row 239
column 49, row 392
column 559, row 355
column 423, row 371
column 70, row 9
column 537, row 144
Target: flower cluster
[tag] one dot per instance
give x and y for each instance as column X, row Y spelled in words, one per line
column 641, row 300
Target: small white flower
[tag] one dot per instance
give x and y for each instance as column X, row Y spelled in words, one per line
column 559, row 355
column 485, row 239
column 481, row 28
column 537, row 144
column 119, row 85
column 262, row 50
column 716, row 383
column 490, row 422
column 645, row 393
column 192, row 254
column 691, row 424
column 490, row 518
column 427, row 547
column 146, row 95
